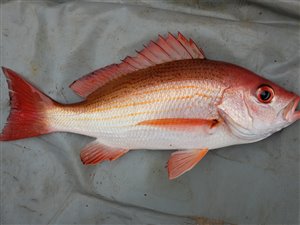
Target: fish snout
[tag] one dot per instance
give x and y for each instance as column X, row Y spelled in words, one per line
column 294, row 112
column 297, row 109
column 290, row 112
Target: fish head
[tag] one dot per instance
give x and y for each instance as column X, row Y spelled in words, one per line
column 254, row 108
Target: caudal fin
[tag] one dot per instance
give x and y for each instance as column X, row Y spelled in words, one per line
column 28, row 109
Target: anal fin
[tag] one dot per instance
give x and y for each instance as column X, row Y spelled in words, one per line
column 183, row 161
column 95, row 152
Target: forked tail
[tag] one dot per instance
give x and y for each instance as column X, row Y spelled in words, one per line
column 28, row 114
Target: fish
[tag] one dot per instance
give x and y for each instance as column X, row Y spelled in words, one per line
column 169, row 96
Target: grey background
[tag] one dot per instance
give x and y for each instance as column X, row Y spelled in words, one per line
column 52, row 43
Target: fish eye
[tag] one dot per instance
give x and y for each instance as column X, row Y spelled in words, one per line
column 265, row 94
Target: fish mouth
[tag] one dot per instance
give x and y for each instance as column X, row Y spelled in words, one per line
column 291, row 113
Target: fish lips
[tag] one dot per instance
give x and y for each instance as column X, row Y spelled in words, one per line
column 290, row 113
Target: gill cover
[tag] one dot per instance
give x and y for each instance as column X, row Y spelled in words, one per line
column 234, row 111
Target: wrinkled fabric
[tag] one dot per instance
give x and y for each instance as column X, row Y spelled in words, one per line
column 53, row 43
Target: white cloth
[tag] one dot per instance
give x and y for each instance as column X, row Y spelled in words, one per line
column 52, row 43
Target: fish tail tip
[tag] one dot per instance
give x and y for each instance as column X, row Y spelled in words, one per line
column 9, row 73
column 4, row 69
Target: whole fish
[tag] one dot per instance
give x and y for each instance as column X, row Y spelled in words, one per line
column 169, row 96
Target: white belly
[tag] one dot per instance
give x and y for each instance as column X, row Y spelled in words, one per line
column 154, row 138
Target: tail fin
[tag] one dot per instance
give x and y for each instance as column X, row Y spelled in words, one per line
column 28, row 109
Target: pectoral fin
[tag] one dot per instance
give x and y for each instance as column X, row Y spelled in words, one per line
column 183, row 161
column 95, row 152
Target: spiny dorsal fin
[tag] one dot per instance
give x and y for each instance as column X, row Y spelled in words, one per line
column 163, row 50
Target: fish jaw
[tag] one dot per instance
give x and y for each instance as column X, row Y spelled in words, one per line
column 290, row 112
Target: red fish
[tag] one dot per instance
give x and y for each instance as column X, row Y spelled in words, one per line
column 169, row 96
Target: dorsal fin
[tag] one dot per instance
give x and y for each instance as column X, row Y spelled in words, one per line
column 163, row 50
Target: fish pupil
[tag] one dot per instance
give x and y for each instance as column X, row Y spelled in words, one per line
column 265, row 95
